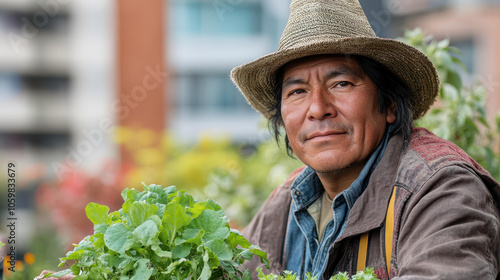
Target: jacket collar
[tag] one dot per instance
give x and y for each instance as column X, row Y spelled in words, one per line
column 370, row 209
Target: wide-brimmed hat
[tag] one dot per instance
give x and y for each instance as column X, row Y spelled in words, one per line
column 336, row 27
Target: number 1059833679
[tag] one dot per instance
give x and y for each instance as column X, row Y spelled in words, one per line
column 11, row 189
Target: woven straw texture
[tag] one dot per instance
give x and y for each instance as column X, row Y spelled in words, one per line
column 336, row 27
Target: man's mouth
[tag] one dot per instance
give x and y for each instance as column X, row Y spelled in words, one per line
column 324, row 135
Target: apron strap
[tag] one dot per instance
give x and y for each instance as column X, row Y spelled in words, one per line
column 389, row 232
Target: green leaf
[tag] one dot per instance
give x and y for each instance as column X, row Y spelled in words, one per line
column 100, row 228
column 450, row 92
column 130, row 194
column 365, row 275
column 155, row 246
column 154, row 188
column 146, row 232
column 173, row 219
column 213, row 225
column 458, row 61
column 193, row 236
column 140, row 211
column 340, row 276
column 116, row 238
column 443, row 73
column 452, row 49
column 206, row 271
column 58, row 274
column 183, row 199
column 156, row 219
column 75, row 269
column 74, row 255
column 454, row 79
column 257, row 251
column 236, row 239
column 196, row 209
column 181, row 251
column 211, row 204
column 143, row 271
column 115, row 216
column 247, row 275
column 220, row 249
column 97, row 214
column 125, row 261
column 182, row 269
column 167, row 192
column 443, row 44
column 98, row 241
column 230, row 269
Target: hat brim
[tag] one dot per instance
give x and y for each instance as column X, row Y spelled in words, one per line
column 257, row 79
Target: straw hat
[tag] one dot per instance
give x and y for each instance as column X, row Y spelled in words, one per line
column 336, row 27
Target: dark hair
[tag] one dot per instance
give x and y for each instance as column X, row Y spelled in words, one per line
column 391, row 90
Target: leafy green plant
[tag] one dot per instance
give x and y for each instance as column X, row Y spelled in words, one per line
column 367, row 274
column 160, row 233
column 460, row 113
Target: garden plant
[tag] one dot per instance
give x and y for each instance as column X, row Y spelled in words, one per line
column 160, row 233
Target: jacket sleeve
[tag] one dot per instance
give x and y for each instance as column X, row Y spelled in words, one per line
column 450, row 229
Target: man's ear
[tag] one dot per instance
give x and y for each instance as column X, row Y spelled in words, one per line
column 391, row 113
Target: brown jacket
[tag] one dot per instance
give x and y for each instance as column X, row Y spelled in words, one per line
column 446, row 216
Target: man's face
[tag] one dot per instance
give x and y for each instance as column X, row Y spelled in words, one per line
column 331, row 115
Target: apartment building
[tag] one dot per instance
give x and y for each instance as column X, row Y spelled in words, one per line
column 56, row 80
column 207, row 39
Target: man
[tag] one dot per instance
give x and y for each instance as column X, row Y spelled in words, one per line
column 375, row 191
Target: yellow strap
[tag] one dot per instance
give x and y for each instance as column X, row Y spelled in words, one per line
column 362, row 252
column 389, row 231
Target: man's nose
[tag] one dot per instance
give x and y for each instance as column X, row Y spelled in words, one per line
column 321, row 104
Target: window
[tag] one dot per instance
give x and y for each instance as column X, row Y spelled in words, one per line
column 34, row 140
column 10, row 85
column 53, row 84
column 215, row 17
column 199, row 93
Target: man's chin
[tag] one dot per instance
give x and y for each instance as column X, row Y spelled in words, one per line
column 331, row 170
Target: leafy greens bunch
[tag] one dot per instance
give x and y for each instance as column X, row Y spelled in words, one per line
column 160, row 233
column 367, row 274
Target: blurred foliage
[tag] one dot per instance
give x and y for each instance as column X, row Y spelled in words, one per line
column 64, row 200
column 460, row 112
column 45, row 250
column 239, row 176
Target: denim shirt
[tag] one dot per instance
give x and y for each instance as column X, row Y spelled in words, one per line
column 303, row 251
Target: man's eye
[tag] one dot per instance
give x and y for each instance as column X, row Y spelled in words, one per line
column 297, row 91
column 344, row 84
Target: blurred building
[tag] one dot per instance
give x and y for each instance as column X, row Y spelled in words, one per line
column 56, row 80
column 207, row 39
column 56, row 84
column 34, row 81
column 58, row 66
